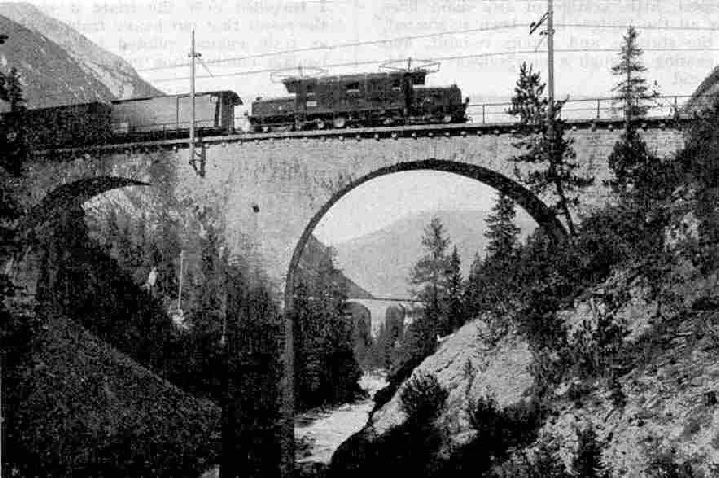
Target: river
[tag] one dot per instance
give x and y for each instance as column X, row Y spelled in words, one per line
column 320, row 432
column 325, row 430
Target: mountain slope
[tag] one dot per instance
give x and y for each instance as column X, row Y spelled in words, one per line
column 313, row 254
column 117, row 75
column 50, row 76
column 705, row 93
column 381, row 261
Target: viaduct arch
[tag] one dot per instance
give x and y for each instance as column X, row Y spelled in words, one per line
column 541, row 213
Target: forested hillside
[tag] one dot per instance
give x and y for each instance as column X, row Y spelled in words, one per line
column 594, row 356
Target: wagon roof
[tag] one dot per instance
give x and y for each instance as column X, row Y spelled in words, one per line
column 235, row 96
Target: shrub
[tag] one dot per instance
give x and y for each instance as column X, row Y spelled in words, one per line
column 588, row 461
column 664, row 464
column 423, row 398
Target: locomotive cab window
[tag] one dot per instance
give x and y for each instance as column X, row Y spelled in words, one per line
column 310, row 89
column 353, row 87
column 396, row 85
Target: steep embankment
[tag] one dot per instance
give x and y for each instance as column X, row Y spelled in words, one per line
column 665, row 416
column 469, row 367
column 86, row 406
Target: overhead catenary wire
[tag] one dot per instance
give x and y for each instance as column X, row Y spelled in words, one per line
column 506, row 26
column 344, row 45
column 447, row 58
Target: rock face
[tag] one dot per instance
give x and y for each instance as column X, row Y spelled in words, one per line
column 468, row 367
column 60, row 66
column 671, row 408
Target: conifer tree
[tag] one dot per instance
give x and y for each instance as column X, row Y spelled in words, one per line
column 528, row 102
column 553, row 151
column 429, row 279
column 634, row 95
column 588, row 460
column 326, row 368
column 501, row 232
column 455, row 309
column 13, row 87
column 14, row 147
column 630, row 160
column 473, row 289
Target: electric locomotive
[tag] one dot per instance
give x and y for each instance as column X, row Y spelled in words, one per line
column 371, row 99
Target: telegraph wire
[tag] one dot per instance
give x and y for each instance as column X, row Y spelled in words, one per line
column 448, row 58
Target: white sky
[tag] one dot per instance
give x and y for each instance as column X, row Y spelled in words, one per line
column 383, row 200
column 155, row 33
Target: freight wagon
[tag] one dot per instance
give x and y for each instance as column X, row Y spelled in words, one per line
column 169, row 116
column 124, row 120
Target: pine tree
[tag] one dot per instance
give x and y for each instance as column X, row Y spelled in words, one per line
column 630, row 160
column 588, row 460
column 13, row 87
column 528, row 103
column 455, row 308
column 428, row 276
column 558, row 174
column 473, row 291
column 634, row 95
column 326, row 367
column 15, row 147
column 502, row 233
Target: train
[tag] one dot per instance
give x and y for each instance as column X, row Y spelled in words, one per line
column 314, row 102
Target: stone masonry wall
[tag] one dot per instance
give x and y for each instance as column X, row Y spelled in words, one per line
column 264, row 193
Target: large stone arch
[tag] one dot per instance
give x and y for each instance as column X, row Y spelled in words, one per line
column 541, row 213
column 529, row 201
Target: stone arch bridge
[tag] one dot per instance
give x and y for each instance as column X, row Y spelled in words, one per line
column 266, row 192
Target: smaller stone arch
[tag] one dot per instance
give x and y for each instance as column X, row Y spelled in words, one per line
column 70, row 196
column 23, row 262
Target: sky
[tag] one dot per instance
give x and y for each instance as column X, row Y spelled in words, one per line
column 478, row 43
column 381, row 201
